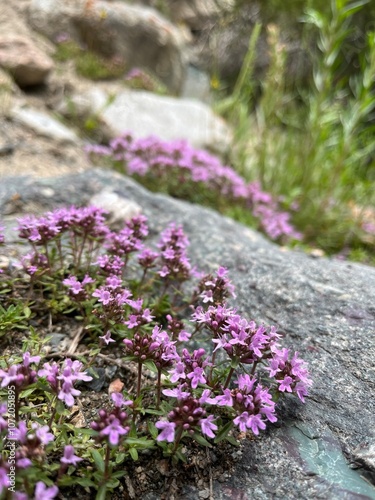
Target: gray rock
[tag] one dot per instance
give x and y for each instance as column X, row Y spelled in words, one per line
column 44, row 124
column 98, row 379
column 145, row 113
column 139, row 35
column 324, row 308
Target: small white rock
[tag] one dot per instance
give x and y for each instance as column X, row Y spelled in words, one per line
column 119, row 208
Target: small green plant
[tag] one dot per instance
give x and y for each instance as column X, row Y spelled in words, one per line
column 87, row 63
column 13, row 316
column 140, row 79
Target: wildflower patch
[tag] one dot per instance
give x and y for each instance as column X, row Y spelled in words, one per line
column 203, row 373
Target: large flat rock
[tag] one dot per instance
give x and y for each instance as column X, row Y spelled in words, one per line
column 145, row 113
column 325, row 309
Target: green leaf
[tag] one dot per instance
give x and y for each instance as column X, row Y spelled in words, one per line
column 352, row 8
column 112, row 483
column 232, row 441
column 141, row 443
column 120, row 457
column 152, row 429
column 27, row 312
column 85, row 482
column 150, row 365
column 154, row 412
column 133, row 453
column 102, row 493
column 26, row 393
column 68, row 481
column 201, row 440
column 98, row 459
column 223, row 433
column 119, row 473
column 60, row 408
column 180, row 456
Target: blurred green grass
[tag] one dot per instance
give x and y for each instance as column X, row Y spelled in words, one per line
column 313, row 145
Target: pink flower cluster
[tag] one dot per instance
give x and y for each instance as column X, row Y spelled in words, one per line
column 81, row 221
column 112, row 426
column 178, row 161
column 20, row 375
column 62, row 379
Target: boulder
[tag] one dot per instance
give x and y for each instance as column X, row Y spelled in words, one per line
column 24, row 54
column 145, row 113
column 139, row 35
column 25, row 62
column 324, row 308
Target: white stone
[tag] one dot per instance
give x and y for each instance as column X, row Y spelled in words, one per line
column 144, row 114
column 43, row 124
column 119, row 208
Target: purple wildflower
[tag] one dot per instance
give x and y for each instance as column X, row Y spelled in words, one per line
column 42, row 433
column 167, row 431
column 42, row 492
column 3, row 422
column 67, row 393
column 208, row 426
column 291, row 375
column 69, row 458
column 114, row 431
column 197, row 376
column 119, row 400
column 4, row 478
column 21, row 375
column 111, row 426
column 107, row 338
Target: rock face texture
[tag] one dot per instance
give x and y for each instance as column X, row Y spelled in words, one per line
column 139, row 35
column 326, row 311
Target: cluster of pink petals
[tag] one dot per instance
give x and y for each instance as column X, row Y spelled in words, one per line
column 112, row 426
column 62, row 379
column 84, row 220
column 177, row 159
column 21, row 375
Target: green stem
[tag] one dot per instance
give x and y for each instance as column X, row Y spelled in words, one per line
column 106, row 462
column 139, row 379
column 53, row 413
column 212, row 368
column 178, row 439
column 228, row 378
column 158, row 390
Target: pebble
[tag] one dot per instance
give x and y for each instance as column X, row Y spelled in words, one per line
column 4, row 262
column 204, row 494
